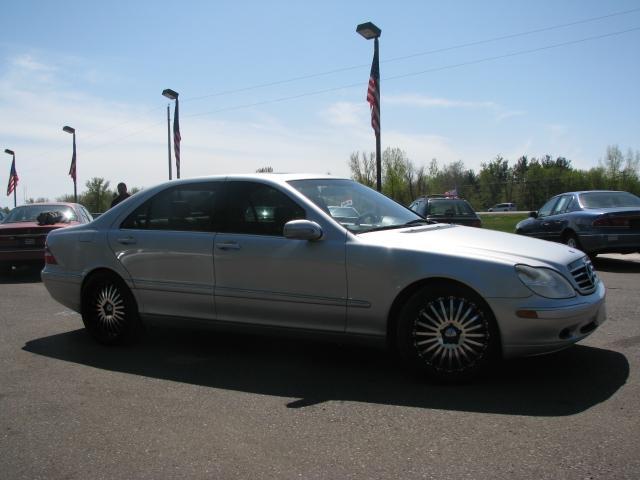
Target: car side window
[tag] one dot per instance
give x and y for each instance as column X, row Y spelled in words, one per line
column 546, row 209
column 257, row 209
column 573, row 205
column 418, row 207
column 87, row 216
column 562, row 205
column 184, row 208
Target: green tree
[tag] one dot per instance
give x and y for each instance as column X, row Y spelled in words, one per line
column 363, row 168
column 97, row 197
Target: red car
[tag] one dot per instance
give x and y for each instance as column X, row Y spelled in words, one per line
column 24, row 231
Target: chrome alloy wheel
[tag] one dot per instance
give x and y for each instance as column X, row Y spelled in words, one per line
column 451, row 334
column 110, row 308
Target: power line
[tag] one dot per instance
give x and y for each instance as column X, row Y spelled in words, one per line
column 422, row 72
column 414, row 55
column 358, row 84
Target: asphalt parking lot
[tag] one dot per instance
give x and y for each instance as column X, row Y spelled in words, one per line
column 193, row 403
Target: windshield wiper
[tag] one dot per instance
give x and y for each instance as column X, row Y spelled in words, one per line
column 417, row 221
column 410, row 223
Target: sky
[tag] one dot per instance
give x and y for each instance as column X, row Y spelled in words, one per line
column 283, row 84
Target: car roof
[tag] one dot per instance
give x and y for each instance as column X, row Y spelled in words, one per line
column 274, row 177
column 591, row 191
column 53, row 204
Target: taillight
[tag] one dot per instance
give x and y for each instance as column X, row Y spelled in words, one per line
column 476, row 223
column 613, row 221
column 49, row 259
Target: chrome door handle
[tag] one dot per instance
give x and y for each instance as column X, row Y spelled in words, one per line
column 126, row 240
column 228, row 246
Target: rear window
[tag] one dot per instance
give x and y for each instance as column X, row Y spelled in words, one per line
column 609, row 199
column 449, row 208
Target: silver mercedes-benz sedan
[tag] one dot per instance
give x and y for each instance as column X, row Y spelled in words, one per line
column 265, row 250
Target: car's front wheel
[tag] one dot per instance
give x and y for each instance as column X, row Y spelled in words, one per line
column 448, row 332
column 571, row 240
column 109, row 311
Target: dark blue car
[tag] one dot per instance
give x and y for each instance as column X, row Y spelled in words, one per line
column 595, row 221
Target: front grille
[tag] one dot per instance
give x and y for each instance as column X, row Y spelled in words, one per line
column 584, row 275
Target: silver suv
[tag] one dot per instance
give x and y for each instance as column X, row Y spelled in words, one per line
column 503, row 207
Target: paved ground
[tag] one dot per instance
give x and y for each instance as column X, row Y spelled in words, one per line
column 199, row 404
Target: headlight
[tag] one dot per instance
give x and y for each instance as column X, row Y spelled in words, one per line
column 545, row 282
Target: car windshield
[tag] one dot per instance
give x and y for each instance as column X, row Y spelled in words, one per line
column 366, row 209
column 449, row 208
column 29, row 213
column 609, row 200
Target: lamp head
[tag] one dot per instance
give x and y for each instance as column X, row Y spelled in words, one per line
column 368, row 30
column 68, row 129
column 10, row 152
column 170, row 94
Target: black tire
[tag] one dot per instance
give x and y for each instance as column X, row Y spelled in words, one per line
column 448, row 332
column 109, row 311
column 571, row 240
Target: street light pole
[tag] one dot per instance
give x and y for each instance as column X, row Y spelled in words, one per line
column 73, row 168
column 171, row 95
column 370, row 31
column 13, row 166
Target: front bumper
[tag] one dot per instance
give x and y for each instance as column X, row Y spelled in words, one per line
column 560, row 323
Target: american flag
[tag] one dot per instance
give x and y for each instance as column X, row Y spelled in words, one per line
column 13, row 178
column 373, row 92
column 72, row 169
column 176, row 139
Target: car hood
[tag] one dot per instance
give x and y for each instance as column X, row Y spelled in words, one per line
column 457, row 240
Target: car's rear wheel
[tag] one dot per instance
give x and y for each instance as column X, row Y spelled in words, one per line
column 448, row 332
column 109, row 311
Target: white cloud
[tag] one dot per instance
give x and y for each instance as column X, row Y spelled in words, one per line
column 346, row 114
column 506, row 114
column 422, row 101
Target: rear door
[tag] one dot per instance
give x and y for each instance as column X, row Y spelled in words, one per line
column 556, row 222
column 166, row 245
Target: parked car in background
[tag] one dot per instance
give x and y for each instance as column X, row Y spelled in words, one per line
column 503, row 207
column 24, row 230
column 344, row 214
column 596, row 221
column 443, row 209
column 263, row 250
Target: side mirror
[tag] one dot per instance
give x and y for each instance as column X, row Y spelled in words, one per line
column 302, row 230
column 533, row 214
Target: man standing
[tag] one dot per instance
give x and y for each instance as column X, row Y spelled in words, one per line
column 122, row 194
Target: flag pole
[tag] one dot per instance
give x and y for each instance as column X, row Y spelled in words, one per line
column 378, row 152
column 171, row 95
column 13, row 177
column 75, row 171
column 169, row 136
column 370, row 31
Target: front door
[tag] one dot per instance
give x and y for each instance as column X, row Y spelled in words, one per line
column 264, row 278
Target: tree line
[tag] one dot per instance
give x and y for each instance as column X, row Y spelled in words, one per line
column 528, row 182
